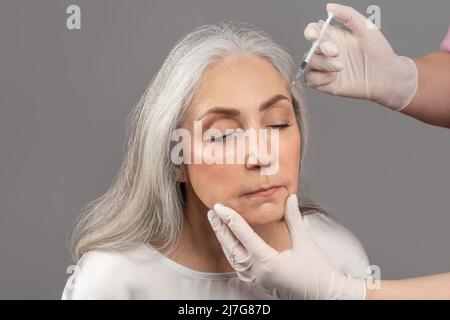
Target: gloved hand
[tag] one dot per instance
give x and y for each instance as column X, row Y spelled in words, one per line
column 360, row 62
column 300, row 272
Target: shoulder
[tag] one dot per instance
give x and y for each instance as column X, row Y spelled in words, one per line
column 102, row 274
column 338, row 243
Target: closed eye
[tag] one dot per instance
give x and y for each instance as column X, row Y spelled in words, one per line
column 221, row 138
column 284, row 125
column 226, row 136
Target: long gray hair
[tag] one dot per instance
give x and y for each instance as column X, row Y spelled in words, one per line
column 145, row 202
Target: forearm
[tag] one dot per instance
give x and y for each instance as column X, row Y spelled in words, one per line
column 428, row 287
column 431, row 103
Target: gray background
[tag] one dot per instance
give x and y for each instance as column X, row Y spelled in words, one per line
column 64, row 97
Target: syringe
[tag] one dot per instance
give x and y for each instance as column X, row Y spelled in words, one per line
column 313, row 48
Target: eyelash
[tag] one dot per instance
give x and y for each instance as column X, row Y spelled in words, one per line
column 219, row 139
column 281, row 126
column 224, row 137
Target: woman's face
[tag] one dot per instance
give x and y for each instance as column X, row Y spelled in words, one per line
column 241, row 85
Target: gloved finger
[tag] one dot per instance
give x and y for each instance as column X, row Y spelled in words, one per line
column 350, row 17
column 236, row 254
column 294, row 219
column 257, row 247
column 319, row 78
column 323, row 63
column 312, row 31
column 238, row 257
column 329, row 48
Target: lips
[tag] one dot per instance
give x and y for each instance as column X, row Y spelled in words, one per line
column 264, row 191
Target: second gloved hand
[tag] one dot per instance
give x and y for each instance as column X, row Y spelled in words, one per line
column 300, row 272
column 360, row 62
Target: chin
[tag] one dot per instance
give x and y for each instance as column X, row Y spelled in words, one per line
column 264, row 214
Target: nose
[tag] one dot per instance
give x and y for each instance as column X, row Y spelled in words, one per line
column 260, row 150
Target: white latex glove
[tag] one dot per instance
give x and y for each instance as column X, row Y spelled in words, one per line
column 300, row 272
column 360, row 62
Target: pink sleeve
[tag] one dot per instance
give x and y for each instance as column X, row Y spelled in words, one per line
column 445, row 46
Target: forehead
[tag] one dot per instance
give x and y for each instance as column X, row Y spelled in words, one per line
column 241, row 82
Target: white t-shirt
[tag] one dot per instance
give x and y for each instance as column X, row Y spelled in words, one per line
column 145, row 273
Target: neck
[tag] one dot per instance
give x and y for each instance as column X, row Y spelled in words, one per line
column 199, row 248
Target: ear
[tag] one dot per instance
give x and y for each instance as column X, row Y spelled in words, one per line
column 179, row 173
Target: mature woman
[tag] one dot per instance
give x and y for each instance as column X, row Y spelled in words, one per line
column 149, row 237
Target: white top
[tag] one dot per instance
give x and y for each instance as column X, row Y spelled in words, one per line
column 145, row 273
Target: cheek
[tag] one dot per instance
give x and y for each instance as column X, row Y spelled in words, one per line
column 290, row 152
column 212, row 183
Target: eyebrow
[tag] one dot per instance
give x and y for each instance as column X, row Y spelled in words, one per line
column 235, row 112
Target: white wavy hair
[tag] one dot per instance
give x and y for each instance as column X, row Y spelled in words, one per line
column 145, row 202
